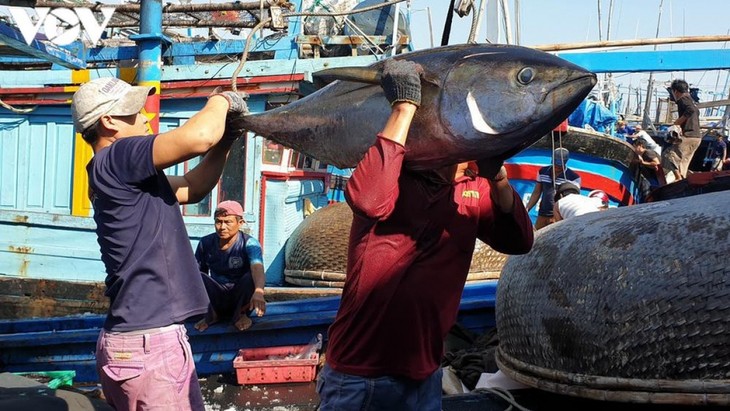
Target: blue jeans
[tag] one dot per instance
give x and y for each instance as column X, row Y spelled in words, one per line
column 345, row 392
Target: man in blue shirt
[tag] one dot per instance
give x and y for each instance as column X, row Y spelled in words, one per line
column 548, row 178
column 143, row 355
column 233, row 260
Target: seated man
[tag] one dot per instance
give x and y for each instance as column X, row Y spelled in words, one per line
column 233, row 259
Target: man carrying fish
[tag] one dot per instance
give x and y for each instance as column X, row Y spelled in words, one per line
column 410, row 248
column 143, row 355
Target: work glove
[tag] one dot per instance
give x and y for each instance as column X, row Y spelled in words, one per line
column 492, row 169
column 237, row 108
column 401, row 81
column 236, row 101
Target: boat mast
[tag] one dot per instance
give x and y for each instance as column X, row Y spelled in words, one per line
column 646, row 122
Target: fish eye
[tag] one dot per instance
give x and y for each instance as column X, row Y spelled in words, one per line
column 526, row 75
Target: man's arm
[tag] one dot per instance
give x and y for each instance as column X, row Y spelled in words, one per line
column 401, row 85
column 198, row 135
column 258, row 302
column 535, row 196
column 198, row 182
column 201, row 134
column 501, row 191
column 255, row 257
column 506, row 232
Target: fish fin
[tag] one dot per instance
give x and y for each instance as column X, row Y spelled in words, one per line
column 355, row 74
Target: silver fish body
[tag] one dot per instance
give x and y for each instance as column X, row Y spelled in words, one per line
column 478, row 102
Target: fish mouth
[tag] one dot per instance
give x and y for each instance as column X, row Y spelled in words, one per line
column 589, row 78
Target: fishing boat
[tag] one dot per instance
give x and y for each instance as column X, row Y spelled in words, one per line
column 602, row 161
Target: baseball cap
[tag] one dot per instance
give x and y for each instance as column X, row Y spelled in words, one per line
column 229, row 207
column 675, row 130
column 601, row 195
column 566, row 189
column 560, row 156
column 106, row 96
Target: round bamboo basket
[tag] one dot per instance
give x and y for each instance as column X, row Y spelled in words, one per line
column 630, row 304
column 316, row 252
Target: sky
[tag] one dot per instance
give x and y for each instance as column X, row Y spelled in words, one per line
column 568, row 21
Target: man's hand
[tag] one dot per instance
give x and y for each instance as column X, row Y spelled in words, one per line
column 492, row 169
column 401, row 81
column 501, row 191
column 236, row 101
column 233, row 130
column 258, row 302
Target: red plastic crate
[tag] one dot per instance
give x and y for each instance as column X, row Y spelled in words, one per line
column 255, row 366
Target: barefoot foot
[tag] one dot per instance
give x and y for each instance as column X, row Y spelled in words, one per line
column 201, row 325
column 243, row 323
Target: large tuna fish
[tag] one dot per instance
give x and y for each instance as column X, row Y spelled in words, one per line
column 479, row 102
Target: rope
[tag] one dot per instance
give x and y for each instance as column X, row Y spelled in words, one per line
column 262, row 23
column 17, row 110
column 552, row 155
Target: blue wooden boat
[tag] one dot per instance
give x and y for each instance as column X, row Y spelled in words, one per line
column 68, row 343
column 602, row 161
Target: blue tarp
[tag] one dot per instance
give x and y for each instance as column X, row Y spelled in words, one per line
column 593, row 114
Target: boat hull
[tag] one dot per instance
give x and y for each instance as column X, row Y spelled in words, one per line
column 68, row 343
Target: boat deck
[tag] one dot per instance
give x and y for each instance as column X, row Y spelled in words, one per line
column 221, row 392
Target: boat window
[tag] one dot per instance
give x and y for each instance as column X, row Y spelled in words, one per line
column 273, row 152
column 201, row 208
column 232, row 183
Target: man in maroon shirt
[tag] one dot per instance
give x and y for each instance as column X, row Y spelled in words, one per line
column 410, row 249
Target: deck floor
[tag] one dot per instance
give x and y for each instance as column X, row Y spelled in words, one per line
column 221, row 393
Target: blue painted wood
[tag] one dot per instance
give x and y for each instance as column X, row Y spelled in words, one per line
column 642, row 61
column 46, row 51
column 284, row 212
column 68, row 343
column 600, row 62
column 37, row 163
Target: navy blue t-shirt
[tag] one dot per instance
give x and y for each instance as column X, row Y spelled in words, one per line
column 152, row 276
column 227, row 266
column 545, row 177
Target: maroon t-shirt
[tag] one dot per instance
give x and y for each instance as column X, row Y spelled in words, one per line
column 410, row 249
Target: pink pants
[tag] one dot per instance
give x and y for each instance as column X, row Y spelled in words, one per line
column 148, row 370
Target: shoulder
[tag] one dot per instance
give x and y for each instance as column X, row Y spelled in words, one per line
column 572, row 175
column 133, row 143
column 208, row 240
column 250, row 240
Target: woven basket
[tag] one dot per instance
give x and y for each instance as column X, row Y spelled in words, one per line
column 631, row 304
column 316, row 252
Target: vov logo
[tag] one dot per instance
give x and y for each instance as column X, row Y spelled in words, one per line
column 62, row 26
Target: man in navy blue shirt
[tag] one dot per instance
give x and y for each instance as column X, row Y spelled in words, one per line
column 143, row 355
column 232, row 268
column 548, row 178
